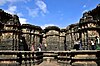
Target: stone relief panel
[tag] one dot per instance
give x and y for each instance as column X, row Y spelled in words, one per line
column 93, row 33
column 6, row 42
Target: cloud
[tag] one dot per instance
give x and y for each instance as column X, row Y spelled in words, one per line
column 33, row 12
column 84, row 11
column 46, row 25
column 20, row 14
column 84, row 6
column 40, row 9
column 11, row 9
column 41, row 5
column 23, row 20
column 2, row 2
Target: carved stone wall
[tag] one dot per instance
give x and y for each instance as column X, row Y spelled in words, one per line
column 52, row 40
column 86, row 29
column 9, row 38
column 31, row 35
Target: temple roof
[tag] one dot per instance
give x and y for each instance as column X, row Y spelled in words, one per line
column 95, row 12
column 7, row 18
column 51, row 28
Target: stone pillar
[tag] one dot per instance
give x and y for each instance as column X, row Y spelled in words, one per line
column 62, row 41
column 52, row 40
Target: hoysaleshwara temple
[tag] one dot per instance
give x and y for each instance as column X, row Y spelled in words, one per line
column 17, row 36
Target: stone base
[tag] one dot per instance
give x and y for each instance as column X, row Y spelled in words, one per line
column 9, row 64
column 84, row 64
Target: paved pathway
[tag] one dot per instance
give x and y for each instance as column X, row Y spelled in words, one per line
column 45, row 63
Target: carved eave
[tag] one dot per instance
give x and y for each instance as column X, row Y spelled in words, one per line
column 31, row 33
column 87, row 22
column 31, row 27
column 62, row 30
column 10, row 31
column 89, row 28
column 8, row 25
column 52, row 35
column 71, row 26
column 38, row 28
column 51, row 28
column 26, row 25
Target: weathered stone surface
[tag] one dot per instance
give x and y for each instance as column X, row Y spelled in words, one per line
column 9, row 64
column 85, row 57
column 46, row 63
column 84, row 64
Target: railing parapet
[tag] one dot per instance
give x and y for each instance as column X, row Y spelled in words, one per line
column 73, row 58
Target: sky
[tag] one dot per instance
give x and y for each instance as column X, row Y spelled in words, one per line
column 45, row 13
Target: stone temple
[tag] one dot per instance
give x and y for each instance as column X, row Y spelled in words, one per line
column 17, row 36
